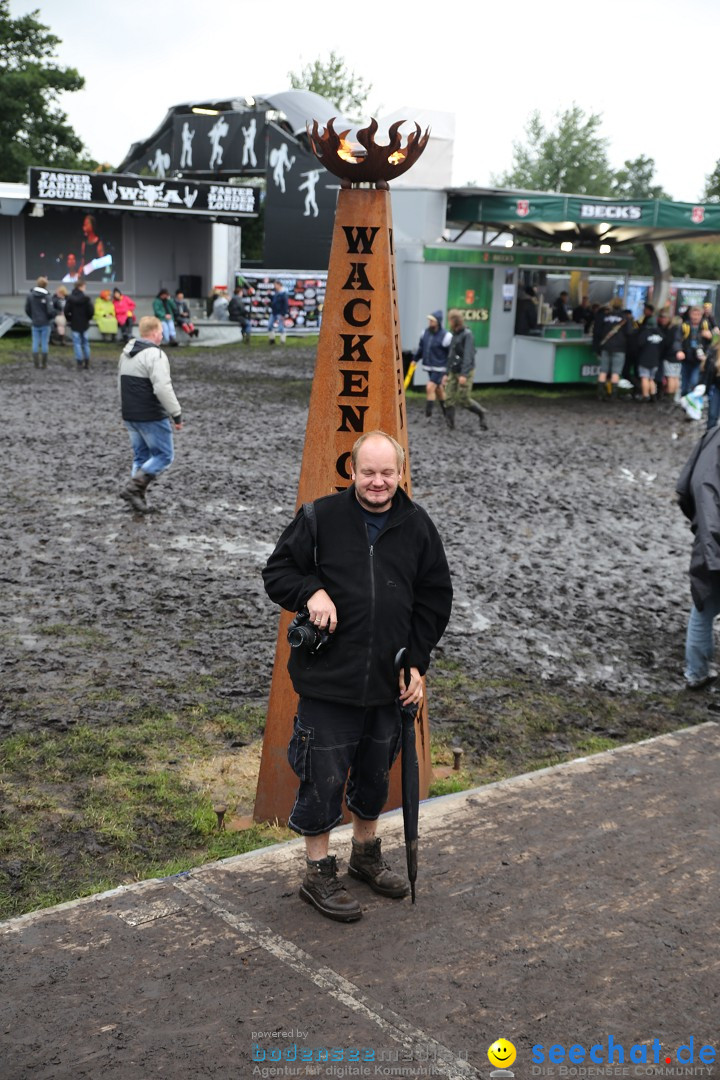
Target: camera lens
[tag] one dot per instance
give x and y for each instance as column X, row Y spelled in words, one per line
column 301, row 635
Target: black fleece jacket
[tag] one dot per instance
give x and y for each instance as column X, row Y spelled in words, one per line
column 396, row 593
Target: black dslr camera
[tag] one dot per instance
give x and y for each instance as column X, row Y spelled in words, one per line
column 302, row 632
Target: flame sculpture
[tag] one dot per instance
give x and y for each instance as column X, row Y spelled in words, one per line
column 368, row 162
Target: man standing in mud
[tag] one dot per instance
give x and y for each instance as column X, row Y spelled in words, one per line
column 367, row 571
column 148, row 402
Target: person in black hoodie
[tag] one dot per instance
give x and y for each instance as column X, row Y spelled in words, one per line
column 610, row 342
column 369, row 568
column 79, row 310
column 652, row 346
column 41, row 310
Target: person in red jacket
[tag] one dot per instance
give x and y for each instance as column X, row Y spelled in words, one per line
column 124, row 313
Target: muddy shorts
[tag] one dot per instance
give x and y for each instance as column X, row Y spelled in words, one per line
column 330, row 741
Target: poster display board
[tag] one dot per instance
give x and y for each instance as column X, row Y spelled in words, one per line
column 306, row 297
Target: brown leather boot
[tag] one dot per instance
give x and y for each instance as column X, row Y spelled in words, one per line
column 134, row 491
column 367, row 864
column 322, row 889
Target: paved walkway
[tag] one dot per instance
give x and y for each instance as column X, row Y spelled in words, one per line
column 562, row 907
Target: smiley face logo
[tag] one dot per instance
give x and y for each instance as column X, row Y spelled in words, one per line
column 502, row 1053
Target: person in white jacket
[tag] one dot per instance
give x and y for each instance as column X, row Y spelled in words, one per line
column 150, row 410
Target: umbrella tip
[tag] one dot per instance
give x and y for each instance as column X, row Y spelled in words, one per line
column 412, row 891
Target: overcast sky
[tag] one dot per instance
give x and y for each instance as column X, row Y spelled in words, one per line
column 647, row 68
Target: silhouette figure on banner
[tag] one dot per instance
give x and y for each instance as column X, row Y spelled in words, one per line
column 313, row 175
column 186, row 154
column 280, row 162
column 248, row 154
column 217, row 132
column 160, row 164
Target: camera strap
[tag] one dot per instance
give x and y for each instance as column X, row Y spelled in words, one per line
column 309, row 512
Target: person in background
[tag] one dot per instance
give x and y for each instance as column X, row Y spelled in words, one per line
column 460, row 371
column 147, row 402
column 708, row 315
column 40, row 309
column 164, row 309
column 526, row 312
column 124, row 313
column 220, row 307
column 79, row 310
column 279, row 311
column 59, row 298
column 609, row 344
column 711, row 378
column 183, row 314
column 698, row 491
column 238, row 312
column 433, row 350
column 105, row 316
column 583, row 314
column 693, row 336
column 559, row 310
column 669, row 367
column 651, row 347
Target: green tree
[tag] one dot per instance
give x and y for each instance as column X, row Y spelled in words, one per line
column 635, row 181
column 33, row 129
column 569, row 156
column 331, row 79
column 712, row 185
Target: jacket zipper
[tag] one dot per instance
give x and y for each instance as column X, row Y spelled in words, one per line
column 372, row 623
column 372, row 608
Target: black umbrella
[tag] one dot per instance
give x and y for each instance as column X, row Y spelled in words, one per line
column 409, row 772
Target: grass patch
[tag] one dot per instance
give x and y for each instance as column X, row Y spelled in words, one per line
column 95, row 807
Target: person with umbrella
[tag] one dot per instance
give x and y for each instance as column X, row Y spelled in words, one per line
column 367, row 572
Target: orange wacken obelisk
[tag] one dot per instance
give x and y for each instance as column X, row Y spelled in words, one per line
column 357, row 387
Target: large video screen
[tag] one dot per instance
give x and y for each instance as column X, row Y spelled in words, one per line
column 63, row 244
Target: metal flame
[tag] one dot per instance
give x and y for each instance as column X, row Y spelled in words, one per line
column 370, row 162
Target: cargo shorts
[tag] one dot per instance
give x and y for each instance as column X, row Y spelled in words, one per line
column 333, row 744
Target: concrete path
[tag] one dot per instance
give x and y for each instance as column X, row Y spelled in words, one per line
column 568, row 907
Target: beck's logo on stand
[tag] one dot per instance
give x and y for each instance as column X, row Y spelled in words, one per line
column 698, row 215
column 523, row 207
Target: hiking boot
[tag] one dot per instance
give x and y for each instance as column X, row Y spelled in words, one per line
column 44, row 359
column 367, row 864
column 428, row 409
column 322, row 889
column 450, row 417
column 134, row 491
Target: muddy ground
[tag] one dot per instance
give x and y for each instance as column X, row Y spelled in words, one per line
column 568, row 553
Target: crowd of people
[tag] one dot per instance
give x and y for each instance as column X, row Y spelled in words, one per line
column 659, row 355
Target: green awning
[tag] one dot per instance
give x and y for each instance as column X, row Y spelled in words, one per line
column 582, row 219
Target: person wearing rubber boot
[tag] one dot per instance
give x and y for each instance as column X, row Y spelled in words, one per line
column 433, row 351
column 367, row 573
column 148, row 405
column 461, row 368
